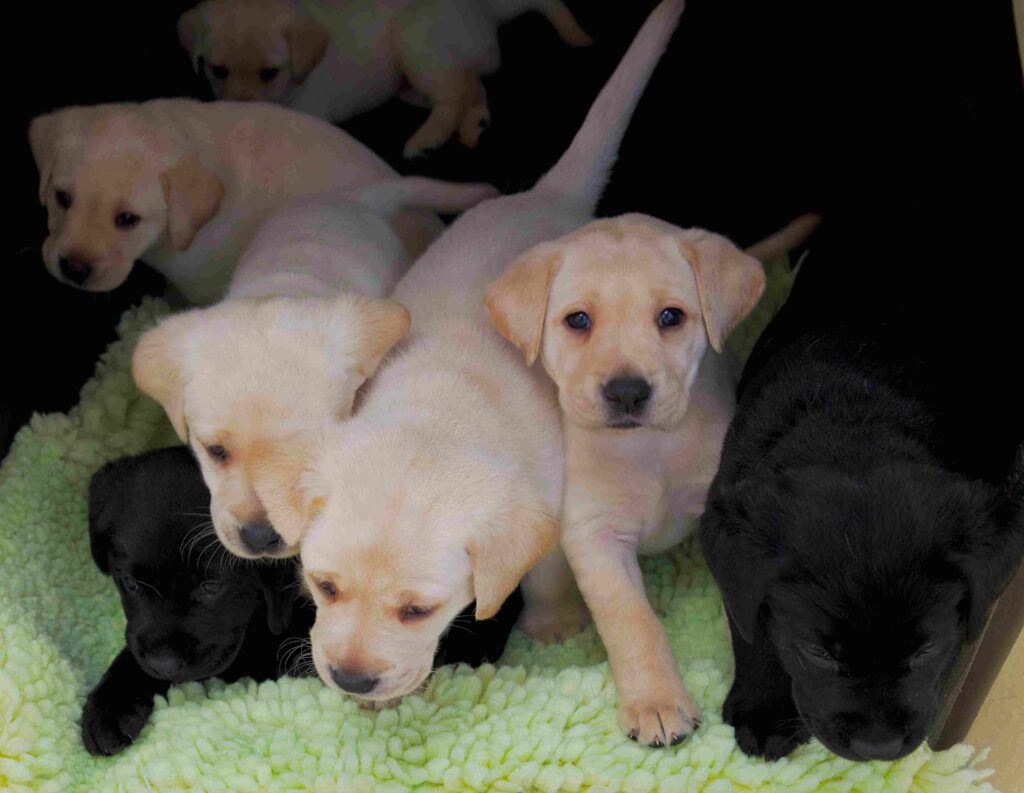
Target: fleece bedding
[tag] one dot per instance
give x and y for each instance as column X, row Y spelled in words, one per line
column 543, row 719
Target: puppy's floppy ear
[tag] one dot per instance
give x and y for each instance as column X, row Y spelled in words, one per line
column 743, row 558
column 193, row 32
column 193, row 195
column 106, row 490
column 284, row 481
column 280, row 584
column 991, row 546
column 44, row 134
column 729, row 281
column 517, row 302
column 383, row 323
column 501, row 556
column 158, row 369
column 307, row 42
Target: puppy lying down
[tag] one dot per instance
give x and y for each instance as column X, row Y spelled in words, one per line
column 184, row 186
column 336, row 60
column 303, row 325
column 193, row 611
column 854, row 546
column 444, row 487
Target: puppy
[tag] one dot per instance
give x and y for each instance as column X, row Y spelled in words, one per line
column 444, row 487
column 193, row 612
column 184, row 185
column 336, row 60
column 621, row 313
column 856, row 541
column 301, row 329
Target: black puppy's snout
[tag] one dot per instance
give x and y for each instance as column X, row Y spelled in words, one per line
column 77, row 271
column 878, row 745
column 260, row 537
column 352, row 682
column 627, row 395
column 164, row 664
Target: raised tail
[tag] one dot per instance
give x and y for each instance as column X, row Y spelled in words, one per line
column 785, row 239
column 584, row 168
column 389, row 198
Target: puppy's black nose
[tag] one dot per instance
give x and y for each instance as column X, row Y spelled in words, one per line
column 260, row 537
column 77, row 271
column 877, row 748
column 164, row 664
column 351, row 682
column 627, row 394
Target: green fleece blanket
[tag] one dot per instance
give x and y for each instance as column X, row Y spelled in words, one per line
column 543, row 719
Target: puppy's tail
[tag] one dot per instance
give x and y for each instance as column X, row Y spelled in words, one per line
column 390, row 198
column 557, row 12
column 584, row 168
column 785, row 239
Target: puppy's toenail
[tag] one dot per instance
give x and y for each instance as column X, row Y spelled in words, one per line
column 675, row 739
column 632, row 735
column 656, row 743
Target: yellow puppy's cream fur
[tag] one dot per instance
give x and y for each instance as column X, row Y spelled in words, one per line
column 445, row 485
column 199, row 178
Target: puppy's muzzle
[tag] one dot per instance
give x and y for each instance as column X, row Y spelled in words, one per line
column 626, row 398
column 74, row 270
column 352, row 681
column 878, row 749
column 260, row 537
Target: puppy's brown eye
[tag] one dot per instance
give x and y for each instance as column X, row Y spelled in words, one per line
column 217, row 453
column 210, row 588
column 220, row 72
column 63, row 199
column 579, row 320
column 130, row 584
column 126, row 220
column 327, row 589
column 412, row 613
column 670, row 317
column 269, row 74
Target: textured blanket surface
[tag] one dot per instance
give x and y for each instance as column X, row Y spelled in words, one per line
column 543, row 719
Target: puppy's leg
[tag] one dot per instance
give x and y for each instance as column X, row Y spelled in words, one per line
column 760, row 706
column 476, row 117
column 654, row 705
column 452, row 92
column 119, row 707
column 553, row 609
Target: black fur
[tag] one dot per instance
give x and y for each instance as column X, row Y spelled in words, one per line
column 868, row 507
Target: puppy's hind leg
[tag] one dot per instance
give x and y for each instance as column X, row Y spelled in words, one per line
column 453, row 92
column 553, row 609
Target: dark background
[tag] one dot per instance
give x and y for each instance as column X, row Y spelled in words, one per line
column 888, row 115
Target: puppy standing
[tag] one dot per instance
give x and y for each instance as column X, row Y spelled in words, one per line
column 301, row 329
column 446, row 485
column 336, row 60
column 184, row 185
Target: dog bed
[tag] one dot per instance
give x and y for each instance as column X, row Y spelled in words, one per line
column 543, row 719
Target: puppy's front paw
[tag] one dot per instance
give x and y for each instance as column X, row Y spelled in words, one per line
column 554, row 624
column 110, row 726
column 658, row 715
column 769, row 729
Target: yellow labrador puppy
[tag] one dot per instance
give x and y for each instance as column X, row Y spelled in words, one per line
column 629, row 317
column 335, row 60
column 445, row 485
column 184, row 185
column 301, row 329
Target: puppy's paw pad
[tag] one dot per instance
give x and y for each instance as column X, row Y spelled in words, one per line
column 665, row 720
column 552, row 626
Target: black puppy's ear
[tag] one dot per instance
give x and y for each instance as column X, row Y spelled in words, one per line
column 280, row 584
column 105, row 502
column 991, row 545
column 741, row 553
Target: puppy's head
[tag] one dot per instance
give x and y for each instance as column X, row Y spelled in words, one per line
column 244, row 381
column 621, row 313
column 252, row 50
column 113, row 187
column 404, row 533
column 866, row 587
column 188, row 604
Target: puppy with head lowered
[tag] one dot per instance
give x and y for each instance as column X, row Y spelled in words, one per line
column 302, row 328
column 622, row 314
column 445, row 486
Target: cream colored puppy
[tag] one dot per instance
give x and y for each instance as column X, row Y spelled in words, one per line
column 629, row 317
column 445, row 485
column 184, row 185
column 335, row 60
column 301, row 329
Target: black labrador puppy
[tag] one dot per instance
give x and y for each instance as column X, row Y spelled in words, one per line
column 194, row 611
column 868, row 507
